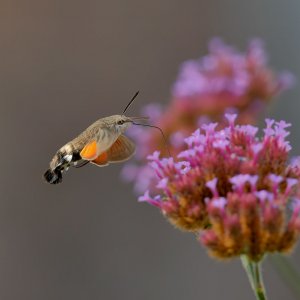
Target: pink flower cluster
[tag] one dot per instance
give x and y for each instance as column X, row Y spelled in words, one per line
column 225, row 80
column 238, row 190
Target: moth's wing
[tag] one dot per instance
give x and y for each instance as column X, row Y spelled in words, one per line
column 101, row 160
column 122, row 149
column 90, row 151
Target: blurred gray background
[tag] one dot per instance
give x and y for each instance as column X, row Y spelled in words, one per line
column 63, row 64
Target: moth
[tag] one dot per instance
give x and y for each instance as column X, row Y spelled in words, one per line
column 101, row 143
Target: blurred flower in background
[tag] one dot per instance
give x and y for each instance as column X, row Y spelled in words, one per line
column 225, row 80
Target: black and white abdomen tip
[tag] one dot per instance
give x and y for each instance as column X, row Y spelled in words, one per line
column 53, row 177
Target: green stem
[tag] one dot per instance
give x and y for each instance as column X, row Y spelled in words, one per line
column 253, row 271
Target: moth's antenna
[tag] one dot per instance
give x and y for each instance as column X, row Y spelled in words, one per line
column 132, row 99
column 162, row 133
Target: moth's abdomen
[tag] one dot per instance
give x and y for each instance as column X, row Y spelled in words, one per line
column 61, row 156
column 53, row 176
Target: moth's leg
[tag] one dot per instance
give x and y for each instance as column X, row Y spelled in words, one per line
column 81, row 164
column 77, row 160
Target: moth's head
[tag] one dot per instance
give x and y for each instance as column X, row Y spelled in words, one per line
column 122, row 123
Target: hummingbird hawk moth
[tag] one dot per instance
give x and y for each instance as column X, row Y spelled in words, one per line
column 101, row 143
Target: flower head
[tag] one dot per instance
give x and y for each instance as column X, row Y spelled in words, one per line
column 225, row 80
column 237, row 188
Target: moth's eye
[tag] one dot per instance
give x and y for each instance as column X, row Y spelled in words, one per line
column 121, row 122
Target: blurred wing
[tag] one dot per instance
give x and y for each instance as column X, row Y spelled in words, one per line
column 122, row 149
column 90, row 151
column 101, row 160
